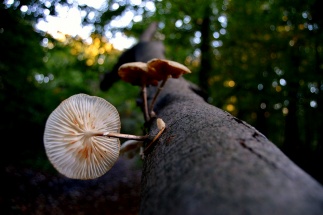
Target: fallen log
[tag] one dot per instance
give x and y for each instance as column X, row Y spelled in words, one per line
column 210, row 162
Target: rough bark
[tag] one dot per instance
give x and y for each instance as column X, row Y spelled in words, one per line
column 209, row 162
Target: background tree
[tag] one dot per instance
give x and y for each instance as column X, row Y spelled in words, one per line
column 21, row 58
column 272, row 54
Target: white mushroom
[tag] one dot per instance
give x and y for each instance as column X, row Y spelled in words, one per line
column 130, row 147
column 74, row 140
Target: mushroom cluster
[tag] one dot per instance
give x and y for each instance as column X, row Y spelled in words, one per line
column 151, row 73
column 81, row 137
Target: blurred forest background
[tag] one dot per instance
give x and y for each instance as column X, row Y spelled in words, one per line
column 260, row 60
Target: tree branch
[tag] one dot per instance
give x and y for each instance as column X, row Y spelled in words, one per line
column 149, row 33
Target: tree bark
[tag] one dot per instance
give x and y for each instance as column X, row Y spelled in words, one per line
column 209, row 162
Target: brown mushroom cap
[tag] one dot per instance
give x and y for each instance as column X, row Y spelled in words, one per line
column 137, row 73
column 70, row 137
column 167, row 67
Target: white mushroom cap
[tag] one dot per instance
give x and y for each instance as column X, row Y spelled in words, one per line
column 70, row 141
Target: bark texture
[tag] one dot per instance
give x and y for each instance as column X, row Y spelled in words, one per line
column 209, row 162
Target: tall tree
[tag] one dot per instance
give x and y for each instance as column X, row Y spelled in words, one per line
column 271, row 51
column 21, row 57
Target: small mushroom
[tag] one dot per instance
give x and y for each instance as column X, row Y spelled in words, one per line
column 137, row 73
column 161, row 127
column 130, row 147
column 165, row 69
column 81, row 137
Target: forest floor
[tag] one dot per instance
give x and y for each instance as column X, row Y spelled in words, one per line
column 26, row 190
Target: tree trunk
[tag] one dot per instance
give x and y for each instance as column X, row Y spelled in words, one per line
column 209, row 162
column 206, row 51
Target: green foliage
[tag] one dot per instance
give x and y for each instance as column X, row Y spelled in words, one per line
column 271, row 50
column 21, row 54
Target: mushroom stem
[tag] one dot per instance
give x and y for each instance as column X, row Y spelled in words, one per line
column 124, row 136
column 156, row 94
column 144, row 98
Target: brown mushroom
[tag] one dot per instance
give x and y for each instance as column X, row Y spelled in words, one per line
column 165, row 69
column 137, row 73
column 78, row 133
